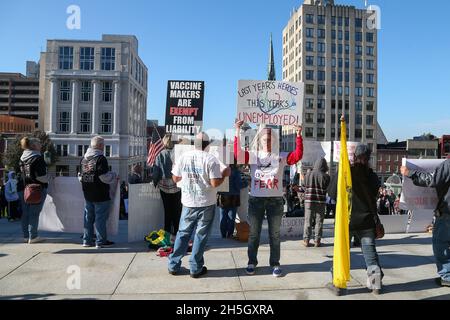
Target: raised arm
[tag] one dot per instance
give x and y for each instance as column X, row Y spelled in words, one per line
column 441, row 176
column 296, row 155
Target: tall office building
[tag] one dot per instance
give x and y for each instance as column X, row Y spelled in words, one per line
column 90, row 88
column 19, row 94
column 333, row 50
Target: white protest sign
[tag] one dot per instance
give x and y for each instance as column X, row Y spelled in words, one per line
column 420, row 221
column 63, row 209
column 146, row 211
column 314, row 150
column 270, row 102
column 414, row 197
column 394, row 224
column 351, row 147
column 292, row 227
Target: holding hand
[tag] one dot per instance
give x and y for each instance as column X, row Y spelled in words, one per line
column 404, row 171
column 238, row 124
column 298, row 130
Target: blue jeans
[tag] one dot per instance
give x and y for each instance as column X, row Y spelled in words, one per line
column 96, row 212
column 441, row 246
column 273, row 208
column 199, row 220
column 30, row 216
column 369, row 250
column 227, row 219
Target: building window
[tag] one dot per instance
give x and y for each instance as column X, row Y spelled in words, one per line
column 309, row 60
column 347, row 36
column 309, row 89
column 107, row 151
column 358, row 50
column 66, row 58
column 321, row 89
column 333, row 34
column 347, row 77
column 321, row 61
column 347, row 92
column 321, row 75
column 310, row 46
column 333, row 21
column 369, row 37
column 87, row 58
column 310, row 18
column 370, row 51
column 340, row 50
column 321, row 118
column 85, row 122
column 347, row 49
column 321, row 47
column 64, row 121
column 347, row 63
column 107, row 91
column 340, row 76
column 358, row 36
column 309, row 103
column 106, row 124
column 309, row 117
column 321, row 33
column 62, row 150
column 347, row 21
column 333, row 62
column 339, row 20
column 358, row 64
column 340, row 63
column 358, row 120
column 82, row 149
column 358, row 77
column 369, row 120
column 358, row 133
column 86, row 89
column 358, row 23
column 358, row 106
column 108, row 59
column 320, row 104
column 333, row 76
column 388, row 168
column 64, row 91
column 309, row 75
column 333, row 91
column 358, row 91
column 309, row 132
column 370, row 77
column 62, row 171
column 321, row 19
column 320, row 132
column 371, row 92
column 370, row 64
column 340, row 91
column 333, row 48
column 309, row 32
column 369, row 134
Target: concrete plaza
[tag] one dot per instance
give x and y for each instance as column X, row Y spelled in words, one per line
column 131, row 271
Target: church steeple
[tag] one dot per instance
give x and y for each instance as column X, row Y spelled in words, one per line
column 271, row 76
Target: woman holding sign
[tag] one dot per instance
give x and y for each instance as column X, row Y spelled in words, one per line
column 266, row 195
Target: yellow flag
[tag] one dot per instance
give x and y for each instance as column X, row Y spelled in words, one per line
column 341, row 258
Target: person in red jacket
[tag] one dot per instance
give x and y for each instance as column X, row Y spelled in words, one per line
column 266, row 195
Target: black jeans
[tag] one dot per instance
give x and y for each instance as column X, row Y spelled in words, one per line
column 172, row 211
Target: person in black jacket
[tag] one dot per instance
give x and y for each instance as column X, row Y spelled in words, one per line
column 95, row 179
column 440, row 180
column 365, row 185
column 316, row 184
column 34, row 171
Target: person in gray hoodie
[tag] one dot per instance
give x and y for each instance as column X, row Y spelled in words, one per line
column 316, row 183
column 95, row 179
column 12, row 197
column 34, row 171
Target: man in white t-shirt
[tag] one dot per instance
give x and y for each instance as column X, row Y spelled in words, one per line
column 200, row 174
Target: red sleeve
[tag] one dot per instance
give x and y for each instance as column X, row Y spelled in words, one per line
column 238, row 150
column 297, row 155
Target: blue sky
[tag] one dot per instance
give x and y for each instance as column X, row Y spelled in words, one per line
column 221, row 42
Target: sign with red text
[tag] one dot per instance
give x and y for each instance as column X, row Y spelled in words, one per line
column 270, row 102
column 184, row 109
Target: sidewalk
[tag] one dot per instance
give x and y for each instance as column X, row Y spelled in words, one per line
column 130, row 271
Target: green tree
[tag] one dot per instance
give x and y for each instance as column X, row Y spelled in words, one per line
column 12, row 156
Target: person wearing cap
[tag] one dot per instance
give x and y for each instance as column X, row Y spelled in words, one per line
column 266, row 191
column 440, row 180
column 365, row 185
column 200, row 173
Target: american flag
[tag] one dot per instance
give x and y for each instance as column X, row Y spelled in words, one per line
column 155, row 148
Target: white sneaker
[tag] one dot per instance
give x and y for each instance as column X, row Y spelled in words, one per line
column 36, row 240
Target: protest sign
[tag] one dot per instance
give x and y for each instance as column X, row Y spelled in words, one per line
column 351, row 147
column 313, row 151
column 184, row 109
column 420, row 221
column 394, row 224
column 270, row 102
column 419, row 198
column 145, row 211
column 63, row 209
column 292, row 227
